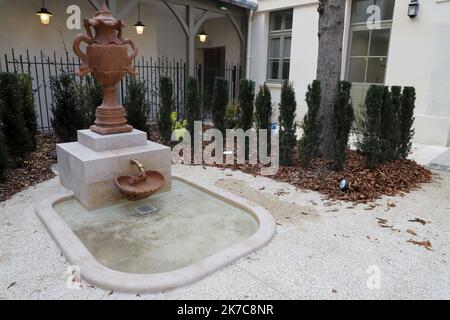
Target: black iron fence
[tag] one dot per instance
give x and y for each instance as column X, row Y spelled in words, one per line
column 43, row 67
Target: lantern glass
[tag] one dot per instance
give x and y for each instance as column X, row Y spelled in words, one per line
column 413, row 9
column 44, row 16
column 203, row 36
column 140, row 29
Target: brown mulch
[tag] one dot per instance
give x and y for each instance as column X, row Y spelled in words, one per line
column 390, row 179
column 426, row 244
column 36, row 168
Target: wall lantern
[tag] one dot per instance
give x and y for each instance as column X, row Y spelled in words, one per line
column 413, row 8
column 203, row 36
column 44, row 14
column 139, row 25
column 222, row 7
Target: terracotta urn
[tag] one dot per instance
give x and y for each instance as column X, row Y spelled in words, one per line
column 108, row 60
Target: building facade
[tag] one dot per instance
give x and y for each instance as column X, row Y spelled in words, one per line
column 271, row 40
column 399, row 50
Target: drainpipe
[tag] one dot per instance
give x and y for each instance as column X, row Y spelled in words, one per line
column 249, row 44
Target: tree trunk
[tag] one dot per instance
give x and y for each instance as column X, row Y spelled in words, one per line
column 331, row 33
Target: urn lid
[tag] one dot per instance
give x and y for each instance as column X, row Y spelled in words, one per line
column 103, row 16
column 105, row 26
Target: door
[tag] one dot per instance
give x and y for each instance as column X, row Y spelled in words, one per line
column 214, row 66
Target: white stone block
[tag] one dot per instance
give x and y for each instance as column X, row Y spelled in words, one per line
column 432, row 130
column 91, row 174
column 98, row 142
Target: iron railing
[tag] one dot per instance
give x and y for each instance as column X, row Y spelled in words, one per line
column 43, row 67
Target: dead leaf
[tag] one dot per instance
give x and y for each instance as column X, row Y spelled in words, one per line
column 383, row 223
column 426, row 244
column 280, row 193
column 423, row 222
column 391, row 204
column 36, row 168
column 411, row 232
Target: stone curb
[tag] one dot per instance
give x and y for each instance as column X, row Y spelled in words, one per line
column 97, row 274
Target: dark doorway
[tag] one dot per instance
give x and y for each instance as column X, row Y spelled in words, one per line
column 214, row 66
column 214, row 60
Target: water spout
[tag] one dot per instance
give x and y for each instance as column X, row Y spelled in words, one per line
column 138, row 164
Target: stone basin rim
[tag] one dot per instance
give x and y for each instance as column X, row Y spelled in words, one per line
column 95, row 273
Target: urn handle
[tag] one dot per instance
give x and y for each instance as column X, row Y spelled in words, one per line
column 76, row 46
column 135, row 52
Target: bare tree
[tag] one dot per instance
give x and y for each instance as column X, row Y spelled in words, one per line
column 331, row 34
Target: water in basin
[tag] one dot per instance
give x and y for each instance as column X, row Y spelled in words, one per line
column 189, row 227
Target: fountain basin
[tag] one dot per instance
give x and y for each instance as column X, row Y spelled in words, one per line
column 197, row 230
column 150, row 183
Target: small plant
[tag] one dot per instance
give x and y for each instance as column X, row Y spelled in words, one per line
column 312, row 126
column 263, row 108
column 136, row 105
column 389, row 123
column 18, row 138
column 91, row 96
column 342, row 122
column 219, row 103
column 166, row 104
column 396, row 92
column 193, row 112
column 246, row 101
column 288, row 139
column 67, row 110
column 28, row 110
column 231, row 117
column 263, row 112
column 370, row 144
column 179, row 128
column 4, row 156
column 406, row 118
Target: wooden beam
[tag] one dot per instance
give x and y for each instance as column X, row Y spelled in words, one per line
column 127, row 9
column 200, row 22
column 209, row 6
column 95, row 4
column 178, row 17
column 237, row 28
column 191, row 28
column 112, row 6
column 190, row 41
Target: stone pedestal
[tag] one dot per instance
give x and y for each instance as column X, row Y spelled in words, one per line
column 88, row 167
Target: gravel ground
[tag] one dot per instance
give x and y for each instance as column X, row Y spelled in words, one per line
column 321, row 250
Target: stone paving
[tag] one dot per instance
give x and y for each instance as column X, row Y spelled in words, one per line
column 441, row 162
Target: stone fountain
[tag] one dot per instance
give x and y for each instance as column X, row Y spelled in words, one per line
column 158, row 243
column 98, row 168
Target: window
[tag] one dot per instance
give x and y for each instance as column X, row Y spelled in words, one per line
column 280, row 38
column 368, row 48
